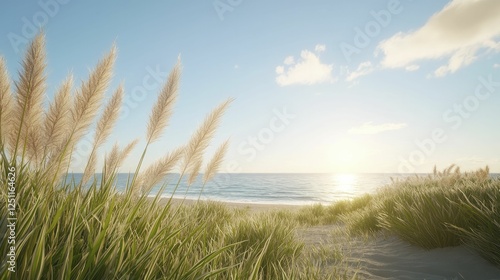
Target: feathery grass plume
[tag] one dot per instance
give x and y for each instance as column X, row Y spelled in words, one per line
column 160, row 115
column 6, row 103
column 214, row 164
column 111, row 159
column 116, row 157
column 109, row 117
column 201, row 138
column 89, row 168
column 155, row 172
column 57, row 118
column 194, row 173
column 35, row 146
column 104, row 127
column 29, row 97
column 449, row 169
column 89, row 97
column 86, row 105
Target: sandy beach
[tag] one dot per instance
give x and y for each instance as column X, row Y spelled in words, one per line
column 251, row 207
column 384, row 256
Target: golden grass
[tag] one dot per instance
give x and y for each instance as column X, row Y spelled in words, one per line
column 163, row 109
column 214, row 164
column 115, row 158
column 89, row 97
column 57, row 119
column 6, row 101
column 103, row 130
column 30, row 91
column 158, row 170
column 202, row 137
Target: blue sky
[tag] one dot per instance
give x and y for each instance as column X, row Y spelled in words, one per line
column 319, row 86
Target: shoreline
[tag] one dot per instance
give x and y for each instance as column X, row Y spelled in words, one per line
column 252, row 207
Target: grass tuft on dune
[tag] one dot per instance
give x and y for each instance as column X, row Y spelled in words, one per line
column 439, row 210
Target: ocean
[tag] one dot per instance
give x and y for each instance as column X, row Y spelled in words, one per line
column 266, row 188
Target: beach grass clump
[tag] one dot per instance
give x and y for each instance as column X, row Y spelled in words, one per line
column 68, row 229
column 266, row 243
column 444, row 209
column 484, row 216
column 447, row 208
column 421, row 217
column 422, row 210
column 318, row 214
column 362, row 221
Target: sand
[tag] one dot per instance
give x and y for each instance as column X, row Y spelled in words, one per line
column 252, row 207
column 386, row 256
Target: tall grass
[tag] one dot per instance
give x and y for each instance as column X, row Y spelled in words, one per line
column 447, row 208
column 68, row 231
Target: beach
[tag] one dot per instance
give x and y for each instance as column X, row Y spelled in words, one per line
column 251, row 207
column 381, row 255
column 385, row 256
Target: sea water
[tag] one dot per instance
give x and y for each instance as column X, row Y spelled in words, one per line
column 267, row 188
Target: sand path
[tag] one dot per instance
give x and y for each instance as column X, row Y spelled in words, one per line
column 388, row 257
column 384, row 256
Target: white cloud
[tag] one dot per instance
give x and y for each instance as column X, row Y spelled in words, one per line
column 461, row 31
column 412, row 67
column 364, row 68
column 236, row 66
column 289, row 60
column 320, row 48
column 462, row 57
column 307, row 70
column 369, row 128
column 280, row 69
column 496, row 65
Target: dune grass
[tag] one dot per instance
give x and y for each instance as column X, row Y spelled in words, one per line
column 82, row 230
column 444, row 209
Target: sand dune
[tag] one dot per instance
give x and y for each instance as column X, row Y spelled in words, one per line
column 388, row 257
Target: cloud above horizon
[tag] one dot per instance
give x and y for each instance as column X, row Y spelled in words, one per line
column 306, row 70
column 460, row 32
column 364, row 68
column 370, row 128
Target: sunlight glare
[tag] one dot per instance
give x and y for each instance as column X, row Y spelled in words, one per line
column 344, row 181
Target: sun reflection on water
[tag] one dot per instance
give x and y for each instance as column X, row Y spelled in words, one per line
column 344, row 182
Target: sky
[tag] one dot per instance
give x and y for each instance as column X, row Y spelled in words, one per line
column 319, row 86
